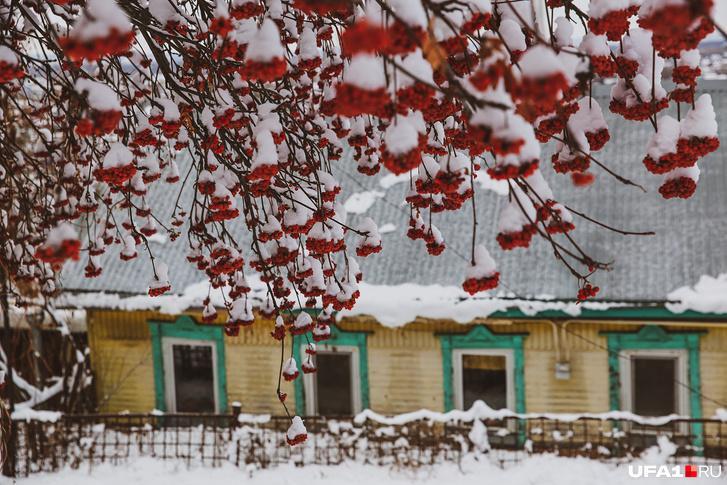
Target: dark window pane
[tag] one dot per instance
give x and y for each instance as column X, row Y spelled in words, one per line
column 484, row 377
column 334, row 390
column 653, row 386
column 194, row 378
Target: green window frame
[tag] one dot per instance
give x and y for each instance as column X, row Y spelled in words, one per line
column 185, row 327
column 480, row 337
column 338, row 338
column 655, row 337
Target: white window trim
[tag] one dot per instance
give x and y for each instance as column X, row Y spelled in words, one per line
column 309, row 380
column 169, row 378
column 457, row 355
column 682, row 371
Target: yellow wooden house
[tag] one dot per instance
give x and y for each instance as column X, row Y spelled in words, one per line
column 145, row 360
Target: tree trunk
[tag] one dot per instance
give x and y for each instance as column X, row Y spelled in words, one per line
column 7, row 426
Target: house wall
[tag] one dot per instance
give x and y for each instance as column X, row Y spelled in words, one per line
column 121, row 357
column 121, row 354
column 713, row 356
column 405, row 365
column 253, row 361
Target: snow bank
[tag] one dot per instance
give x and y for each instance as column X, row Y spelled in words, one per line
column 709, row 295
column 541, row 470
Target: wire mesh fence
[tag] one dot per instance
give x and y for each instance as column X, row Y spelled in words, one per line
column 214, row 440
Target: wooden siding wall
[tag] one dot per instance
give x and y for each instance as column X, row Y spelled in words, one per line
column 713, row 354
column 253, row 360
column 121, row 357
column 405, row 365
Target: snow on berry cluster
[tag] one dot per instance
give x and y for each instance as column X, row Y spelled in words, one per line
column 262, row 99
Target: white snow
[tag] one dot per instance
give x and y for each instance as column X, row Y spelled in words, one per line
column 473, row 470
column 307, row 44
column 599, row 8
column 412, row 13
column 397, row 305
column 484, row 266
column 8, row 56
column 401, row 136
column 539, row 62
column 100, row 17
column 500, row 187
column 387, row 228
column 62, row 232
column 296, row 428
column 27, row 414
column 265, row 44
column 360, row 202
column 480, row 410
column 701, row 121
column 118, row 156
column 513, row 35
column 100, row 96
column 595, row 45
column 709, row 295
column 389, row 180
column 365, row 71
column 664, row 141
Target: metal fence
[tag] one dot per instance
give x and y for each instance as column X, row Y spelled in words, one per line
column 212, row 440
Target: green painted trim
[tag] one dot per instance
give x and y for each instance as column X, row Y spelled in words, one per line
column 654, row 337
column 480, row 337
column 342, row 338
column 186, row 328
column 616, row 313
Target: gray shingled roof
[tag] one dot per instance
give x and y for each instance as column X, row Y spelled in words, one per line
column 691, row 235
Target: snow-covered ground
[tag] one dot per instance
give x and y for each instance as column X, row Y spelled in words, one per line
column 540, row 470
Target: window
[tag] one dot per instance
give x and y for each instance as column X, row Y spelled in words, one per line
column 189, row 366
column 334, row 389
column 650, row 382
column 190, row 375
column 486, row 375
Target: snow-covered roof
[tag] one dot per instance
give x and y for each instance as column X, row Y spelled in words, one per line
column 690, row 240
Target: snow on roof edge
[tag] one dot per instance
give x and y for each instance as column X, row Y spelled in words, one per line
column 397, row 305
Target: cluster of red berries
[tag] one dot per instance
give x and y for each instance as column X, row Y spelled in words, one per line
column 60, row 253
column 587, row 291
column 603, row 66
column 99, row 123
column 10, row 72
column 542, row 95
column 678, row 28
column 575, row 163
column 117, row 175
column 264, row 71
column 693, row 148
column 639, row 111
column 678, row 187
column 353, row 101
column 519, row 239
column 614, row 24
column 597, row 139
column 506, row 171
column 115, row 43
column 476, row 285
column 367, row 249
